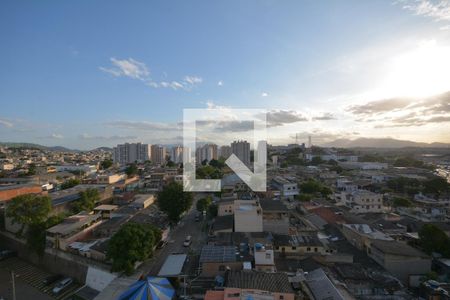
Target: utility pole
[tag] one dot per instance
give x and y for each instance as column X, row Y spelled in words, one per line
column 13, row 277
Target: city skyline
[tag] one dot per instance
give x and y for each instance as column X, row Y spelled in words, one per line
column 125, row 77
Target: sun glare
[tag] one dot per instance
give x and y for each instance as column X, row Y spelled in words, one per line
column 421, row 72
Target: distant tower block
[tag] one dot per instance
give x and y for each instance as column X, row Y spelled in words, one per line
column 309, row 142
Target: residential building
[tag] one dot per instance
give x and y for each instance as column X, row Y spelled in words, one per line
column 84, row 169
column 158, row 154
column 206, row 152
column 215, row 260
column 288, row 187
column 362, row 201
column 177, row 153
column 258, row 285
column 110, row 178
column 225, row 151
column 275, row 216
column 131, row 152
column 242, row 150
column 299, row 245
column 362, row 235
column 248, row 216
column 264, row 257
column 225, row 207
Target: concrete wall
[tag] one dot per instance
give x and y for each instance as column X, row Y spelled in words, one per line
column 64, row 264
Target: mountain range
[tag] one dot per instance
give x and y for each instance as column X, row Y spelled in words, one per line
column 382, row 143
column 339, row 143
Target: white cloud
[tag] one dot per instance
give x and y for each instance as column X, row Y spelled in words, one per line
column 128, row 68
column 264, row 94
column 134, row 69
column 193, row 80
column 145, row 125
column 86, row 136
column 220, row 83
column 437, row 10
column 6, row 123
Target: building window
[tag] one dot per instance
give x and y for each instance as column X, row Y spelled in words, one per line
column 308, row 249
column 268, row 256
column 315, row 249
column 294, row 248
column 281, row 297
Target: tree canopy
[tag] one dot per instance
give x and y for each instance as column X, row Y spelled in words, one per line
column 70, row 183
column 87, row 201
column 174, row 201
column 401, row 202
column 32, row 212
column 208, row 172
column 203, row 204
column 131, row 170
column 434, row 239
column 132, row 243
column 29, row 209
column 312, row 186
column 106, row 164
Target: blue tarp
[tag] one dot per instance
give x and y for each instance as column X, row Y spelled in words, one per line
column 154, row 288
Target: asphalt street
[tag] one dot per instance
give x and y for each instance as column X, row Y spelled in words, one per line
column 187, row 226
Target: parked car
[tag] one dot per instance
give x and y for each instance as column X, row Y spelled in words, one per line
column 52, row 279
column 61, row 285
column 187, row 241
column 4, row 254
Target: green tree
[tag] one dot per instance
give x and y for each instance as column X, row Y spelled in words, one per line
column 131, row 170
column 170, row 164
column 401, row 202
column 203, row 204
column 312, row 186
column 437, row 186
column 70, row 183
column 31, row 170
column 219, row 164
column 28, row 210
column 304, row 197
column 208, row 172
column 132, row 243
column 174, row 201
column 106, row 164
column 87, row 201
column 434, row 239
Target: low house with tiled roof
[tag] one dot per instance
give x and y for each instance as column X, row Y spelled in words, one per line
column 248, row 283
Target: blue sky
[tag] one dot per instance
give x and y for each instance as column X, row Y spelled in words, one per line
column 90, row 73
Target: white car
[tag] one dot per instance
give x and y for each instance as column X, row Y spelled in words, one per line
column 62, row 285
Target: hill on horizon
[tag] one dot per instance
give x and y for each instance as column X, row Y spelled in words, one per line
column 381, row 143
